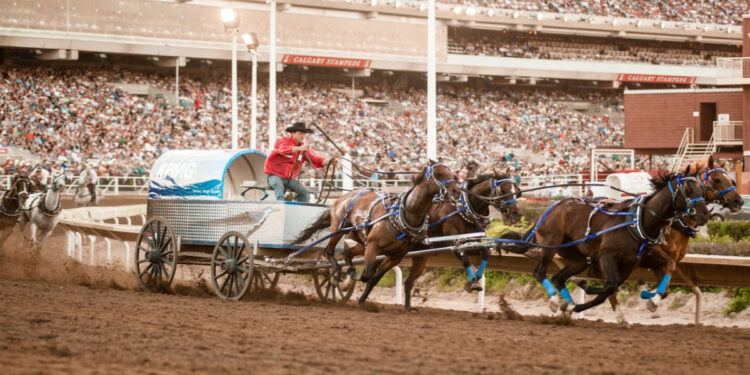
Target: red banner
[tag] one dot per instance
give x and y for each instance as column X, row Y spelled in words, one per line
column 334, row 62
column 3, row 151
column 654, row 78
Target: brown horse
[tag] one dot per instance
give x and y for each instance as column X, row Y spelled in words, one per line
column 11, row 202
column 662, row 258
column 470, row 214
column 382, row 225
column 610, row 237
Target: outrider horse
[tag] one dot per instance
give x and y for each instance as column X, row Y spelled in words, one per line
column 611, row 237
column 10, row 205
column 381, row 224
column 470, row 214
column 662, row 258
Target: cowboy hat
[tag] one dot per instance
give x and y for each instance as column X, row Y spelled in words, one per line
column 298, row 127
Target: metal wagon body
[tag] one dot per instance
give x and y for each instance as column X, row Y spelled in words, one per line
column 213, row 208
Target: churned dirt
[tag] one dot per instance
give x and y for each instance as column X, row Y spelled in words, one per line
column 60, row 316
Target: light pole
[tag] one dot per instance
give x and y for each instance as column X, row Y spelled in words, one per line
column 431, row 84
column 231, row 25
column 272, row 78
column 251, row 41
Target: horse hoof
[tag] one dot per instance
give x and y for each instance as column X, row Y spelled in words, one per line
column 651, row 306
column 412, row 309
column 554, row 303
column 467, row 287
column 347, row 284
column 476, row 286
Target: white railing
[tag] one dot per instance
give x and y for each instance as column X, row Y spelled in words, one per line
column 728, row 132
column 733, row 67
column 687, row 137
column 107, row 184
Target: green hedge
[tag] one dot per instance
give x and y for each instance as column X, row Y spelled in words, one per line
column 734, row 230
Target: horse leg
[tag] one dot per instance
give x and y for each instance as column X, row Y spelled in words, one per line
column 608, row 265
column 330, row 254
column 371, row 252
column 417, row 268
column 349, row 269
column 384, row 267
column 558, row 280
column 471, row 283
column 664, row 274
column 540, row 274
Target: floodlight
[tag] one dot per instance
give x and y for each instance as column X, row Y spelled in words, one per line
column 230, row 20
column 251, row 41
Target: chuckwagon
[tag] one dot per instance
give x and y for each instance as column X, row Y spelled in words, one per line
column 212, row 208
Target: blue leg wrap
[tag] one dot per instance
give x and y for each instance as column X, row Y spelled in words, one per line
column 470, row 273
column 480, row 270
column 566, row 295
column 645, row 294
column 551, row 290
column 663, row 284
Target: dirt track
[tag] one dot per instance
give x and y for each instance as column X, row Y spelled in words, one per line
column 57, row 316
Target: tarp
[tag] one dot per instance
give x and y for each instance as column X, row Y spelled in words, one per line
column 205, row 174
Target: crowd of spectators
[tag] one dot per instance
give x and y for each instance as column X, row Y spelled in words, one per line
column 559, row 47
column 722, row 12
column 74, row 114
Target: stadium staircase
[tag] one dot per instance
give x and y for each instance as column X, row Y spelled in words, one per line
column 690, row 151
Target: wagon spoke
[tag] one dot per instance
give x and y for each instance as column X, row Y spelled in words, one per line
column 235, row 253
column 143, row 261
column 223, row 284
column 220, row 274
column 223, row 253
column 242, row 269
column 237, row 285
column 161, row 237
column 242, row 281
column 146, row 270
column 165, row 244
column 243, row 260
column 164, row 271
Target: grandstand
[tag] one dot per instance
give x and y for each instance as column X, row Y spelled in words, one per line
column 541, row 81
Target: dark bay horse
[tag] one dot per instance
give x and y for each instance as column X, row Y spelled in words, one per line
column 11, row 202
column 662, row 258
column 470, row 214
column 382, row 225
column 610, row 237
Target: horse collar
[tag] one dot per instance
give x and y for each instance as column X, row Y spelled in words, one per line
column 468, row 214
column 415, row 234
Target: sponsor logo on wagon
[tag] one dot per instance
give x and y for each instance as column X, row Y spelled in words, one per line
column 655, row 78
column 335, row 62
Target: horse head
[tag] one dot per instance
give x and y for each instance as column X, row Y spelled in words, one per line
column 687, row 197
column 20, row 187
column 717, row 184
column 440, row 181
column 58, row 182
column 504, row 194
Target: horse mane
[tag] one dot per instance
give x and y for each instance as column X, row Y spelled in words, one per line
column 696, row 165
column 419, row 178
column 470, row 182
column 661, row 180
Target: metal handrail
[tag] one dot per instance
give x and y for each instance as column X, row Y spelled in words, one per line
column 687, row 138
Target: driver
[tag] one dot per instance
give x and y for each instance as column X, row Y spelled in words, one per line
column 285, row 162
column 39, row 177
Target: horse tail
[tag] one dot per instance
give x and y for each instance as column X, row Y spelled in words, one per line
column 322, row 222
column 518, row 248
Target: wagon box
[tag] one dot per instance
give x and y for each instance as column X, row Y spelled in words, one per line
column 210, row 207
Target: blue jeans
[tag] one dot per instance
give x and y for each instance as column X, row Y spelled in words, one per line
column 277, row 183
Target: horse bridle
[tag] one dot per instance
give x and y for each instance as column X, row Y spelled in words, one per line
column 689, row 202
column 494, row 196
column 707, row 185
column 55, row 187
column 441, row 184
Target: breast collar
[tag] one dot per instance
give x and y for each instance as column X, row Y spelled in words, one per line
column 467, row 213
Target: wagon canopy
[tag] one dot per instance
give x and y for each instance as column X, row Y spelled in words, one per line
column 205, row 174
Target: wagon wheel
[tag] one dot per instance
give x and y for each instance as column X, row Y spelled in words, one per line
column 232, row 266
column 327, row 291
column 155, row 255
column 264, row 279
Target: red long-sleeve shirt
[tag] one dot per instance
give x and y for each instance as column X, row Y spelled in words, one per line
column 281, row 161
